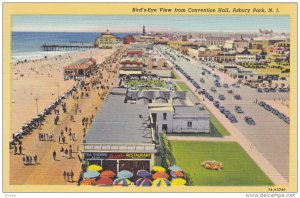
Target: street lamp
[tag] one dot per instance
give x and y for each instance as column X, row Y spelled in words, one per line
column 36, row 103
column 57, row 85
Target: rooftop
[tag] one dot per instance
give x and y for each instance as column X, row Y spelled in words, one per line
column 119, row 122
column 189, row 112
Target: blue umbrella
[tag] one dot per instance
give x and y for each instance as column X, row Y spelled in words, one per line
column 125, row 174
column 91, row 174
column 143, row 173
column 174, row 167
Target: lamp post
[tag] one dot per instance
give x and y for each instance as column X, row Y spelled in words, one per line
column 36, row 103
column 57, row 85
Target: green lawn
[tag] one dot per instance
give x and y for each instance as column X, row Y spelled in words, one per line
column 142, row 84
column 174, row 76
column 239, row 169
column 182, row 86
column 217, row 127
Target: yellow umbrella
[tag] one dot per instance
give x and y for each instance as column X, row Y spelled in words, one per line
column 158, row 169
column 161, row 182
column 178, row 182
column 94, row 168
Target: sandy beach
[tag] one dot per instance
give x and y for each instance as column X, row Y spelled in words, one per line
column 43, row 79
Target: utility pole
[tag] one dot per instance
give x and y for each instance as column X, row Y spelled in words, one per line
column 57, row 84
column 36, row 103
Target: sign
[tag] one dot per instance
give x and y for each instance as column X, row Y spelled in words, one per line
column 90, row 155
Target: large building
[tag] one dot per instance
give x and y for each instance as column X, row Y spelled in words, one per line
column 106, row 41
column 126, row 130
column 80, row 68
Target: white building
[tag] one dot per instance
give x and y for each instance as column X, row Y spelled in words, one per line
column 241, row 58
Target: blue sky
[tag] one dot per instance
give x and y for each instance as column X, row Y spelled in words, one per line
column 58, row 23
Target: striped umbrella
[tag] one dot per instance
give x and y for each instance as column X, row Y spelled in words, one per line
column 160, row 175
column 176, row 174
column 94, row 168
column 158, row 168
column 178, row 182
column 125, row 174
column 105, row 181
column 122, row 182
column 143, row 182
column 161, row 182
column 108, row 173
column 174, row 167
column 91, row 174
column 87, row 181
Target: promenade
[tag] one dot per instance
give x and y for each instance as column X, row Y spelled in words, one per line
column 48, row 171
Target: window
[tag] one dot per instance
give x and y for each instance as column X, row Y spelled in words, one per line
column 189, row 125
column 164, row 116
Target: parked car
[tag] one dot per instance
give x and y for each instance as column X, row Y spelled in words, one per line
column 225, row 85
column 217, row 104
column 229, row 91
column 259, row 89
column 221, row 97
column 237, row 97
column 266, row 89
column 213, row 89
column 238, row 109
column 249, row 120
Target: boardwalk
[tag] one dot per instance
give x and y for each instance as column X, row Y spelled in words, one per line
column 48, row 171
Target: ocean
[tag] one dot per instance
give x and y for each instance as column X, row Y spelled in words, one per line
column 27, row 45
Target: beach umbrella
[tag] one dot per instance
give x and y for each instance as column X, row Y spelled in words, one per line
column 87, row 181
column 91, row 174
column 94, row 168
column 105, row 181
column 143, row 182
column 160, row 175
column 122, row 182
column 178, row 182
column 125, row 174
column 158, row 168
column 107, row 173
column 174, row 167
column 143, row 173
column 176, row 174
column 161, row 182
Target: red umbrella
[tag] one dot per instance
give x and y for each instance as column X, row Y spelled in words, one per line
column 107, row 173
column 160, row 175
column 177, row 174
column 105, row 181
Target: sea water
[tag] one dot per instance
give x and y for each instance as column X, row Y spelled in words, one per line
column 27, row 45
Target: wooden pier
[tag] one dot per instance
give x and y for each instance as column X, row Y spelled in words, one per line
column 66, row 47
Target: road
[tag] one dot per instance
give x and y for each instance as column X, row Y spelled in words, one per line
column 270, row 135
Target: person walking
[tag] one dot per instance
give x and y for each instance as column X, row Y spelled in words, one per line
column 20, row 149
column 66, row 153
column 68, row 176
column 16, row 149
column 65, row 174
column 70, row 153
column 71, row 175
column 30, row 160
column 24, row 160
column 54, row 155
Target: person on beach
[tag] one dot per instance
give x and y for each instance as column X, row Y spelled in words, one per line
column 35, row 158
column 54, row 155
column 70, row 153
column 65, row 174
column 59, row 139
column 68, row 176
column 24, row 160
column 66, row 153
column 30, row 160
column 71, row 175
column 66, row 129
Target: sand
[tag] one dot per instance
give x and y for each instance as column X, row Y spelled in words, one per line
column 43, row 79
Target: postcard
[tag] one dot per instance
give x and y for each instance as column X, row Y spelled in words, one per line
column 150, row 97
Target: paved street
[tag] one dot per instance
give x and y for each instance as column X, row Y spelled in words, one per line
column 270, row 135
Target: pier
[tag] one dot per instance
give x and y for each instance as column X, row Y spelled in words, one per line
column 66, row 47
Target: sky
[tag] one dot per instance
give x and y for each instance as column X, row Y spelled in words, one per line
column 61, row 23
